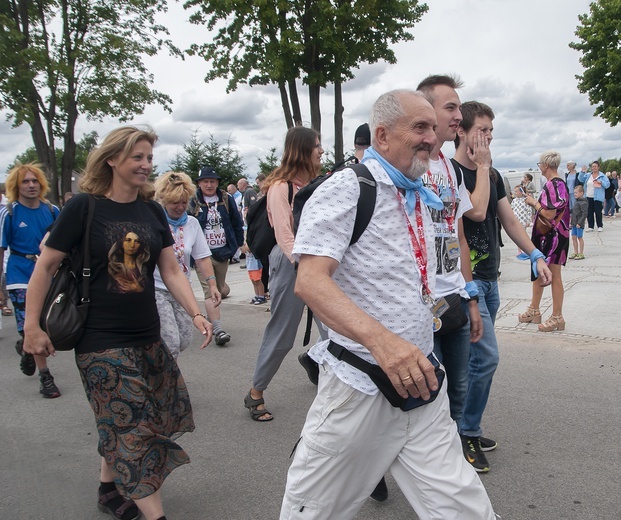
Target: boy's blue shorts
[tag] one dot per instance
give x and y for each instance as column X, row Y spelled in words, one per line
column 577, row 232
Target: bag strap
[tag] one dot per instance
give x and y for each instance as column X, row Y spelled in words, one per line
column 366, row 200
column 342, row 354
column 86, row 251
column 364, row 212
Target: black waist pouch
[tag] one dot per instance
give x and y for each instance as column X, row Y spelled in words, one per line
column 454, row 318
column 381, row 380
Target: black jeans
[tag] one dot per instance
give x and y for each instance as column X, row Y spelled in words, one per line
column 595, row 209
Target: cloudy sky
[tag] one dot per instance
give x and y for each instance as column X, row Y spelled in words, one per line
column 511, row 54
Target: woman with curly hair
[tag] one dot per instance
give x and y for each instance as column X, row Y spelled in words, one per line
column 173, row 191
column 139, row 398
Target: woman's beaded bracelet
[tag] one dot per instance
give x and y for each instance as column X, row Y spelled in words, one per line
column 198, row 314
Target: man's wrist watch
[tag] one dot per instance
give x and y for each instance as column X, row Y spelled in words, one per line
column 474, row 298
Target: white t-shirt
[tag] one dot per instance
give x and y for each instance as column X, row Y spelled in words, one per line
column 590, row 187
column 378, row 273
column 214, row 230
column 189, row 242
column 456, row 202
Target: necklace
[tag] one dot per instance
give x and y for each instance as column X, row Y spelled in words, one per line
column 179, row 248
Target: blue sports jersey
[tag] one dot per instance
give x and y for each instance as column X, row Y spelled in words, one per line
column 23, row 232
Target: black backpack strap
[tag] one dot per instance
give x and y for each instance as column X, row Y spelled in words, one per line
column 86, row 251
column 366, row 201
column 364, row 212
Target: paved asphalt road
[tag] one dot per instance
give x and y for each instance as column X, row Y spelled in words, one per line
column 554, row 409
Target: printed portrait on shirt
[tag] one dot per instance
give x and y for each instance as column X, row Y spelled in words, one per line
column 127, row 257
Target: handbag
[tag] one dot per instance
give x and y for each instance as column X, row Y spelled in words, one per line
column 454, row 317
column 64, row 313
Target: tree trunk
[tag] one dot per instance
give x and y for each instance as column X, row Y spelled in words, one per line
column 313, row 94
column 338, row 122
column 295, row 102
column 68, row 160
column 284, row 99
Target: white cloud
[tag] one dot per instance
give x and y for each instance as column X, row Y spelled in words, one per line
column 511, row 54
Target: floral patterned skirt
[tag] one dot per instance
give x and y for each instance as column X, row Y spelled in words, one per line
column 141, row 405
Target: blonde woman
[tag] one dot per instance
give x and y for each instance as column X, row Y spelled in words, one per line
column 122, row 361
column 173, row 192
column 551, row 236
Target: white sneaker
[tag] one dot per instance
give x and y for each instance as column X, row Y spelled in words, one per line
column 599, row 229
column 588, row 230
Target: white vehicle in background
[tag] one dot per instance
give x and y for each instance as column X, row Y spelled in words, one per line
column 514, row 177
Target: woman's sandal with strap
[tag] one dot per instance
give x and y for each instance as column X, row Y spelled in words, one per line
column 530, row 316
column 552, row 323
column 128, row 510
column 256, row 414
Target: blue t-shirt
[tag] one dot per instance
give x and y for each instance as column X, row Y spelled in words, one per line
column 23, row 232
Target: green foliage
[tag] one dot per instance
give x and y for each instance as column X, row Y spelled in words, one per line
column 600, row 45
column 610, row 165
column 221, row 156
column 276, row 40
column 61, row 59
column 279, row 41
column 269, row 163
column 83, row 148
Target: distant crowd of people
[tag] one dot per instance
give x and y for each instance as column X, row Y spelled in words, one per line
column 407, row 349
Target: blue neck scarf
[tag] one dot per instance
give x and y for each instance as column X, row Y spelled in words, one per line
column 401, row 181
column 179, row 222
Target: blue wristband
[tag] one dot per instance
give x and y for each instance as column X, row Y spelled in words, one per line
column 472, row 289
column 534, row 256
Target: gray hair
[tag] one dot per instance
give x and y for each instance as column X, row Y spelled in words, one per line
column 551, row 159
column 387, row 110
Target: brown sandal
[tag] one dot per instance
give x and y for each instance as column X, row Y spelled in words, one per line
column 530, row 316
column 552, row 323
column 6, row 311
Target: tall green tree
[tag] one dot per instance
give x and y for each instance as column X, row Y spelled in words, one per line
column 62, row 58
column 82, row 149
column 269, row 163
column 321, row 42
column 600, row 44
column 222, row 156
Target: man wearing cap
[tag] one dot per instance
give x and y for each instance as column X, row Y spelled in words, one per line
column 217, row 213
column 362, row 140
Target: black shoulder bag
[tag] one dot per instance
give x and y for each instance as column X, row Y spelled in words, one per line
column 64, row 313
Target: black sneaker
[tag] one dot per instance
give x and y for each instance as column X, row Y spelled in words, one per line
column 27, row 363
column 380, row 493
column 48, row 389
column 474, row 455
column 487, row 444
column 311, row 367
column 222, row 338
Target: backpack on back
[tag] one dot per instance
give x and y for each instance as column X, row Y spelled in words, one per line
column 260, row 235
column 366, row 201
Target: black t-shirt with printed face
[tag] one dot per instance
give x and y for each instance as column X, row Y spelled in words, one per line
column 126, row 242
column 484, row 237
